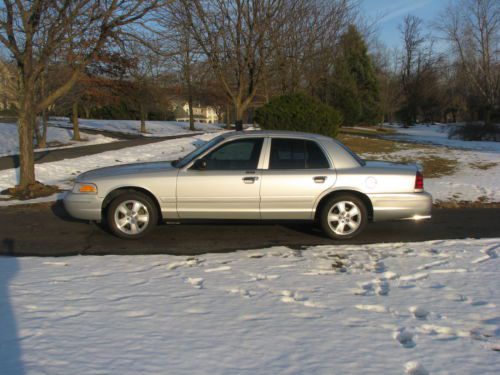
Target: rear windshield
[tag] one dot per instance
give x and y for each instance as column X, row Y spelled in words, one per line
column 351, row 152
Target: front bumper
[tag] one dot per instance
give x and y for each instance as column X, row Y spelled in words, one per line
column 83, row 206
column 401, row 206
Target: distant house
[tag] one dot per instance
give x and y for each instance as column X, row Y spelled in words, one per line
column 201, row 113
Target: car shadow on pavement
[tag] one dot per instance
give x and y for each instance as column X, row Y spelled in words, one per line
column 60, row 212
column 10, row 349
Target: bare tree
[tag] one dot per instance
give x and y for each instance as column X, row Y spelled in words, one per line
column 235, row 37
column 39, row 31
column 179, row 47
column 473, row 29
column 416, row 57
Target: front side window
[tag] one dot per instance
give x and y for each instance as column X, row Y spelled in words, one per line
column 296, row 154
column 241, row 154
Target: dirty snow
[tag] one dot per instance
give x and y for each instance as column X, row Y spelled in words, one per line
column 56, row 138
column 415, row 308
column 153, row 128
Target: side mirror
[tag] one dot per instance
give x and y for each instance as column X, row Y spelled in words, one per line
column 200, row 165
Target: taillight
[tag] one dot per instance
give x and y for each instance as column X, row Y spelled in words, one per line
column 419, row 181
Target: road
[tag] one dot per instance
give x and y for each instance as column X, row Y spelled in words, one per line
column 47, row 230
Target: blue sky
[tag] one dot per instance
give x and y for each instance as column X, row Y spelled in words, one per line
column 390, row 14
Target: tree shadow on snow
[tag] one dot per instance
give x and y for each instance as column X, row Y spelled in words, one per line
column 10, row 349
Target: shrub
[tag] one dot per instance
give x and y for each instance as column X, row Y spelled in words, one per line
column 475, row 132
column 299, row 112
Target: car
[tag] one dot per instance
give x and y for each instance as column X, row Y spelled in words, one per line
column 253, row 175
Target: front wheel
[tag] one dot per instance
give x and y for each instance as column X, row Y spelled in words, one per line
column 343, row 217
column 131, row 215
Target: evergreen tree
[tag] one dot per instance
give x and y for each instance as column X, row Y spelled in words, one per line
column 354, row 90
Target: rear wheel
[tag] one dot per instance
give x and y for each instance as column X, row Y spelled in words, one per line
column 344, row 217
column 131, row 215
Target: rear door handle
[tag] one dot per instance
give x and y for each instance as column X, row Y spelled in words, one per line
column 250, row 180
column 319, row 179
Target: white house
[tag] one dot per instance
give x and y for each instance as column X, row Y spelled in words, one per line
column 201, row 113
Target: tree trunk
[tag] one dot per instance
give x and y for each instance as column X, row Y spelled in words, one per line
column 228, row 116
column 487, row 118
column 76, row 125
column 190, row 108
column 239, row 116
column 26, row 155
column 143, row 118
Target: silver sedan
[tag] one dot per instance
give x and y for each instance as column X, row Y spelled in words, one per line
column 260, row 175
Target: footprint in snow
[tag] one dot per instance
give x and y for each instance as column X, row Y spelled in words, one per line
column 196, row 282
column 289, row 296
column 377, row 286
column 414, row 277
column 241, row 291
column 405, row 337
column 419, row 312
column 490, row 253
column 432, row 264
column 415, row 368
column 260, row 277
column 372, row 308
column 218, row 269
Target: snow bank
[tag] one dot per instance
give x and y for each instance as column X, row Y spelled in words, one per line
column 9, row 139
column 438, row 135
column 154, row 128
column 411, row 308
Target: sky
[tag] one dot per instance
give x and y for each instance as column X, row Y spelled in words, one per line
column 390, row 14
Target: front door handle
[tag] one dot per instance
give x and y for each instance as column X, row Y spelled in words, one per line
column 319, row 179
column 250, row 180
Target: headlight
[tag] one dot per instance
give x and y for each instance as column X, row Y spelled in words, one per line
column 84, row 188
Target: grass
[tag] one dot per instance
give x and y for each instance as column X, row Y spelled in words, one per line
column 433, row 165
column 483, row 166
column 364, row 145
column 372, row 130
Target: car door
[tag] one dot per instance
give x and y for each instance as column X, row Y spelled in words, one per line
column 228, row 187
column 298, row 171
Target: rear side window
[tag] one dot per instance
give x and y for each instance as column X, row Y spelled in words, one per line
column 296, row 154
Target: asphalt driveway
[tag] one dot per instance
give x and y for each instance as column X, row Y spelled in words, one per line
column 47, row 230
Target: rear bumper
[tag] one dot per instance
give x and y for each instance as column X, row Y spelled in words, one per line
column 401, row 206
column 83, row 206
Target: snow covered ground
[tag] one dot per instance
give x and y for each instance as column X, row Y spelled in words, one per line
column 469, row 182
column 63, row 172
column 9, row 139
column 476, row 176
column 154, row 128
column 438, row 135
column 414, row 308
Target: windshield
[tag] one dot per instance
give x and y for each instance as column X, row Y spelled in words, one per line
column 197, row 152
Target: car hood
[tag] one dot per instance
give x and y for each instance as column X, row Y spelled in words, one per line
column 126, row 169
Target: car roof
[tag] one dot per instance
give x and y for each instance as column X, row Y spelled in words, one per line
column 273, row 133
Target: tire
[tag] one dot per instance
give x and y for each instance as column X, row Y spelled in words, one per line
column 131, row 215
column 344, row 216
